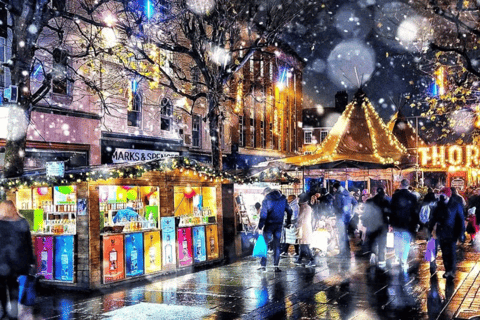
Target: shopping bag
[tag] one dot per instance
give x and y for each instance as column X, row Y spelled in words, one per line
column 27, row 291
column 430, row 251
column 260, row 249
column 291, row 235
column 390, row 239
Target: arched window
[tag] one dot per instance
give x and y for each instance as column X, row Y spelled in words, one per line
column 134, row 114
column 166, row 114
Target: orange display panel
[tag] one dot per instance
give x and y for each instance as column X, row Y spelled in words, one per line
column 113, row 258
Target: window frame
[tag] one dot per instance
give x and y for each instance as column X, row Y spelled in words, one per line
column 307, row 137
column 135, row 111
column 166, row 113
column 196, row 122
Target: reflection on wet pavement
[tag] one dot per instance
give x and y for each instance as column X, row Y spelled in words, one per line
column 338, row 288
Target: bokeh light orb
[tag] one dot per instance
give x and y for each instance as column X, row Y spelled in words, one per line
column 351, row 63
column 201, row 7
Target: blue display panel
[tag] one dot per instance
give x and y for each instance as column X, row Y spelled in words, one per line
column 64, row 249
column 134, row 254
column 199, row 250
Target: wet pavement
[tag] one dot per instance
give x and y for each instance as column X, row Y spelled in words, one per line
column 337, row 288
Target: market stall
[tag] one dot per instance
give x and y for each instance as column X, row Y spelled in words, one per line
column 107, row 225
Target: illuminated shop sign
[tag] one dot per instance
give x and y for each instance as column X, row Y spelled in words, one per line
column 467, row 156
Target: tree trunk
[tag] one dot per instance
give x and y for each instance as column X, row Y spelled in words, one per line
column 213, row 121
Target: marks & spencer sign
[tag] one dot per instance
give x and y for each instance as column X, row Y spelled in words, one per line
column 133, row 155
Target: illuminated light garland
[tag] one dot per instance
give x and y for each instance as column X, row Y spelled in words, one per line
column 130, row 171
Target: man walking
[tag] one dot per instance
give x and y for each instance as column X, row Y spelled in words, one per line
column 404, row 220
column 272, row 214
column 343, row 204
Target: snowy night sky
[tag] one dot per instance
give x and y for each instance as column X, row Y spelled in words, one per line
column 356, row 40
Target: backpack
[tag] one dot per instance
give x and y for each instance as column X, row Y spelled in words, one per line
column 425, row 214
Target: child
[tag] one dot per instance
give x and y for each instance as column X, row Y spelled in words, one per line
column 472, row 227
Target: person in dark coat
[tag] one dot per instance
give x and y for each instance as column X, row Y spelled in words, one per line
column 404, row 220
column 458, row 198
column 448, row 219
column 375, row 219
column 272, row 214
column 16, row 254
column 343, row 205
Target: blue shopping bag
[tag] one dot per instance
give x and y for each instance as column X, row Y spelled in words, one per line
column 27, row 289
column 260, row 249
column 430, row 250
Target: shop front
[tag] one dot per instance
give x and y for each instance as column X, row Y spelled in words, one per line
column 450, row 165
column 99, row 232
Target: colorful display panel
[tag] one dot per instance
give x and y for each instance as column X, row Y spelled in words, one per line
column 44, row 255
column 212, row 242
column 113, row 262
column 184, row 237
column 168, row 241
column 153, row 252
column 64, row 248
column 134, row 254
column 199, row 250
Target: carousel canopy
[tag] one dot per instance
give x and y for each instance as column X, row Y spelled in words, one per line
column 404, row 132
column 359, row 137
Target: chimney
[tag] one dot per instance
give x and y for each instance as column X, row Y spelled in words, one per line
column 341, row 101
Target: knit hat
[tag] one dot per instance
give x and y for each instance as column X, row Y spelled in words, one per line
column 447, row 192
column 303, row 197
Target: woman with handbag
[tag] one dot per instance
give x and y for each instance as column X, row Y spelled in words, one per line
column 16, row 255
column 304, row 229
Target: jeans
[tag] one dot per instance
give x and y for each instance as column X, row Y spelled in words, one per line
column 402, row 245
column 448, row 247
column 305, row 252
column 10, row 284
column 377, row 242
column 275, row 231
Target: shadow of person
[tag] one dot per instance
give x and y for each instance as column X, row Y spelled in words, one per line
column 435, row 300
column 449, row 288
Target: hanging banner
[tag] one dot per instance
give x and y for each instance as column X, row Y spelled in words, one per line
column 199, row 250
column 212, row 242
column 153, row 250
column 134, row 254
column 44, row 255
column 64, row 258
column 168, row 241
column 184, row 236
column 113, row 262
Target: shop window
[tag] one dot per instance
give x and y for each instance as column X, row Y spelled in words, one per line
column 134, row 114
column 196, row 130
column 166, row 114
column 60, row 65
column 308, row 137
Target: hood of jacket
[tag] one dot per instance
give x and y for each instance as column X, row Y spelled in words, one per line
column 274, row 195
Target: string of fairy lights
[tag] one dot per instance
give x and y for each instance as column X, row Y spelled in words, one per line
column 175, row 165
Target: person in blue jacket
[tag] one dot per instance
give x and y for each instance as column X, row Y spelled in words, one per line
column 128, row 213
column 343, row 205
column 272, row 215
column 448, row 219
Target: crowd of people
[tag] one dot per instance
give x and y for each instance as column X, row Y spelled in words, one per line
column 439, row 214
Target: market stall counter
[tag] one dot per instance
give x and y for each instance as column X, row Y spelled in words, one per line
column 98, row 233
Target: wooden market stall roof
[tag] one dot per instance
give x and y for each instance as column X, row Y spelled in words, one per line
column 359, row 136
column 404, row 132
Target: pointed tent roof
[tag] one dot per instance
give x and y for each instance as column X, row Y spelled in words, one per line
column 404, row 132
column 359, row 135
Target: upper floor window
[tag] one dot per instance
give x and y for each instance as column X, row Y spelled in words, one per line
column 59, row 72
column 308, row 137
column 323, row 134
column 166, row 114
column 196, row 130
column 242, row 130
column 134, row 112
column 195, row 73
column 262, row 134
column 3, row 49
column 253, row 136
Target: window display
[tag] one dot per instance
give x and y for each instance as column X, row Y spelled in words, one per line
column 195, row 205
